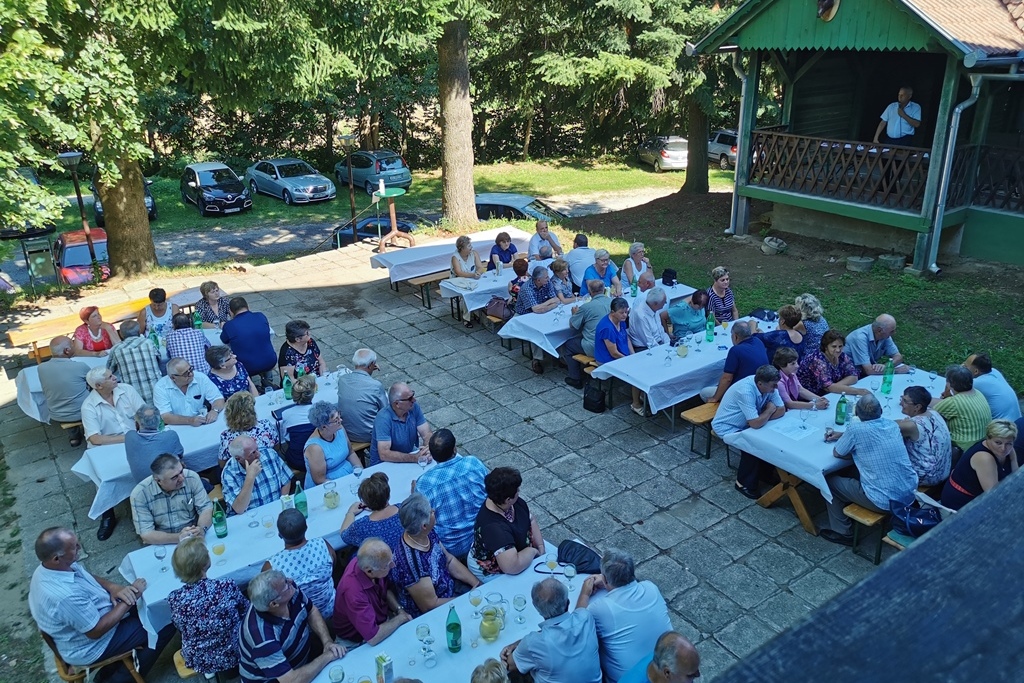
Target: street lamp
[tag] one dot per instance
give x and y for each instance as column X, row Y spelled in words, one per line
column 348, row 142
column 70, row 161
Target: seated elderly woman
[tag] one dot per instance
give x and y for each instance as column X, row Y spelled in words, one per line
column 240, row 415
column 812, row 323
column 605, row 271
column 689, row 316
column 206, row 611
column 983, row 465
column 328, row 451
column 828, row 370
column 156, row 317
column 926, row 437
column 299, row 352
column 227, row 373
column 794, row 395
column 491, row 671
column 785, row 336
column 465, row 264
column 423, row 568
column 506, row 537
column 720, row 299
column 309, row 563
column 561, row 281
column 637, row 263
column 503, row 252
column 293, row 423
column 94, row 337
column 213, row 308
column 382, row 522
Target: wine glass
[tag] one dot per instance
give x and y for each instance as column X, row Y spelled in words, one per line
column 803, row 415
column 423, row 633
column 698, row 339
column 252, row 514
column 357, row 471
column 669, row 352
column 160, row 552
column 519, row 602
column 422, row 460
column 570, row 573
column 476, row 596
column 552, row 561
column 876, row 384
column 218, row 550
column 268, row 524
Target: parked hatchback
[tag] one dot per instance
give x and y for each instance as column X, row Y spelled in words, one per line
column 722, row 149
column 71, row 258
column 97, row 205
column 214, row 189
column 293, row 180
column 369, row 168
column 664, row 153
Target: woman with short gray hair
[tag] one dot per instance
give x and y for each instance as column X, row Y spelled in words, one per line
column 226, row 373
column 328, row 452
column 605, row 271
column 425, row 571
column 637, row 263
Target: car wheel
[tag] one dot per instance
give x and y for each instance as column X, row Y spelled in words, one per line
column 287, row 197
column 254, row 188
column 152, row 216
column 100, row 221
column 657, row 166
column 369, row 188
column 723, row 162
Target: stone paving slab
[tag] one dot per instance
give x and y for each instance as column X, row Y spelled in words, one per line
column 734, row 574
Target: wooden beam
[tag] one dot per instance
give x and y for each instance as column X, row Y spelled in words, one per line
column 808, row 65
column 872, row 214
column 780, row 63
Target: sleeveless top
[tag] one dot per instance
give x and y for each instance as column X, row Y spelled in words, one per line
column 468, row 265
column 637, row 272
column 89, row 343
column 335, row 455
column 162, row 325
column 963, row 486
column 310, row 567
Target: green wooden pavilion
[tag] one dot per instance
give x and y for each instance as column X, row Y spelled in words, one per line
column 957, row 187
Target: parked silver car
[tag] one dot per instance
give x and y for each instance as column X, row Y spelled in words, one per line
column 369, row 168
column 664, row 152
column 293, row 180
column 722, row 149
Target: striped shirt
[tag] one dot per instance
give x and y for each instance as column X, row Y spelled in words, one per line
column 270, row 647
column 66, row 605
column 721, row 306
column 134, row 362
column 156, row 509
column 967, row 414
column 455, row 489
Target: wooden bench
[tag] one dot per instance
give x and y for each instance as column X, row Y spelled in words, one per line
column 76, row 674
column 424, row 282
column 897, row 540
column 182, row 668
column 361, row 449
column 701, row 417
column 862, row 517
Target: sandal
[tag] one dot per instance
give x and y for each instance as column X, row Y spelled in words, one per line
column 468, row 323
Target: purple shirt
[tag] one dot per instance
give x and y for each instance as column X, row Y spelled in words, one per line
column 360, row 604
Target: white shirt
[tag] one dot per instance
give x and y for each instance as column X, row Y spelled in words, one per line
column 100, row 417
column 895, row 126
column 564, row 651
column 630, row 619
column 645, row 327
column 536, row 241
column 579, row 259
column 168, row 398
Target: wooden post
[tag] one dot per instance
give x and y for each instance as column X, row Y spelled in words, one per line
column 747, row 121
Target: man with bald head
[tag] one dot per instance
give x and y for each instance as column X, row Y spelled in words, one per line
column 400, row 430
column 869, row 344
column 64, row 386
column 365, row 606
column 675, row 660
column 1002, row 399
column 187, row 397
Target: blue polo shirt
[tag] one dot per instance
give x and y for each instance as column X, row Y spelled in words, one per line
column 745, row 358
column 248, row 335
column 402, row 435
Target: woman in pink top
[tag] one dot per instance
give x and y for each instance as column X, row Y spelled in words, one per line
column 94, row 337
column 790, row 389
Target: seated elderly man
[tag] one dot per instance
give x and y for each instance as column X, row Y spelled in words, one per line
column 585, row 318
column 274, row 638
column 605, row 271
column 365, row 606
column 543, row 238
column 674, row 660
column 645, row 326
column 579, row 258
column 182, row 396
column 455, row 488
column 186, row 342
column 537, row 295
column 135, row 360
column 309, row 562
column 399, row 428
column 171, row 504
column 64, row 386
column 964, row 408
column 360, row 396
column 253, row 476
column 750, row 403
column 565, row 649
column 886, row 474
column 149, row 441
column 1002, row 399
column 630, row 616
column 869, row 344
column 89, row 618
column 743, row 359
column 248, row 334
column 109, row 411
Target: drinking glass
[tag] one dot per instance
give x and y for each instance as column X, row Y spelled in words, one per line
column 337, row 674
column 423, row 633
column 253, row 522
column 699, row 340
column 668, row 355
column 218, row 550
column 476, row 596
column 803, row 415
column 160, row 552
column 519, row 602
column 268, row 524
column 552, row 561
column 357, row 471
column 570, row 573
column 876, row 385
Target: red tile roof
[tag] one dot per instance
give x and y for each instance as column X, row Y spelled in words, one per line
column 996, row 27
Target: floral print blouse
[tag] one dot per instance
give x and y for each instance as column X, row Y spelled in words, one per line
column 208, row 613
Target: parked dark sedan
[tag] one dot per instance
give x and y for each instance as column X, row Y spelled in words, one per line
column 214, row 189
column 97, row 206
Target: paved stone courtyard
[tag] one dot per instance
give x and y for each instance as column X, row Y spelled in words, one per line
column 734, row 574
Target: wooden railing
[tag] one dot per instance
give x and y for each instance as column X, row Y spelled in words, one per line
column 890, row 176
column 999, row 178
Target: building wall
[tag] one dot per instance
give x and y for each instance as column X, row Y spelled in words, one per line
column 993, row 236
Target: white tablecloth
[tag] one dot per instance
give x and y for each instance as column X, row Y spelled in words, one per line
column 550, row 330
column 803, row 452
column 403, row 264
column 491, row 284
column 666, row 384
column 107, row 466
column 248, row 548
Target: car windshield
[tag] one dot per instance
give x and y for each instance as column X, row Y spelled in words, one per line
column 676, row 146
column 537, row 206
column 392, row 164
column 218, row 176
column 294, row 170
column 78, row 254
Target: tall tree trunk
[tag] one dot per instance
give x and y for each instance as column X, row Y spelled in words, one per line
column 546, row 127
column 329, row 126
column 457, row 195
column 480, row 122
column 697, row 149
column 129, row 240
column 527, row 135
column 375, row 130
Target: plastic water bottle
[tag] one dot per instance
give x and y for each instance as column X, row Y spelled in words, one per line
column 887, row 378
column 841, row 410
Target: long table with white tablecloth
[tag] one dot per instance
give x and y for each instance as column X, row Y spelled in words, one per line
column 477, row 293
column 403, row 264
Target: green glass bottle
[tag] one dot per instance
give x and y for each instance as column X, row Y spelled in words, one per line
column 300, row 500
column 887, row 377
column 220, row 519
column 286, row 385
column 453, row 629
column 709, row 328
column 634, row 286
column 841, row 410
column 155, row 339
column 197, row 321
column 299, row 372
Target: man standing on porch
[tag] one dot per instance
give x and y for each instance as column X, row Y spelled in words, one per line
column 899, row 120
